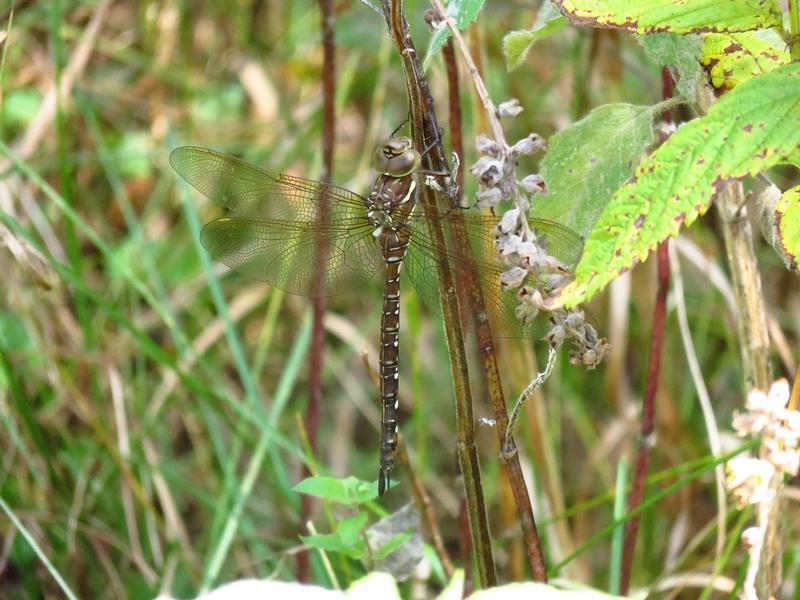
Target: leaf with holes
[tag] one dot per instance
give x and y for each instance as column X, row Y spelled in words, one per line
column 751, row 128
column 733, row 58
column 693, row 16
column 587, row 161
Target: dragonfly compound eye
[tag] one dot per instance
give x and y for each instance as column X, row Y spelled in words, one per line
column 396, row 157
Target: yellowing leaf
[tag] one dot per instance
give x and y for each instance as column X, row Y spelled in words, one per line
column 753, row 127
column 733, row 58
column 688, row 16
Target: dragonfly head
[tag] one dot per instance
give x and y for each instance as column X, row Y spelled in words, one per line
column 396, row 157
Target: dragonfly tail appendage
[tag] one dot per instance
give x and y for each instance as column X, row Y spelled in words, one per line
column 384, row 480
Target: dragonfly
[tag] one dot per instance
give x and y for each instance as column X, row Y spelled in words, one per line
column 272, row 230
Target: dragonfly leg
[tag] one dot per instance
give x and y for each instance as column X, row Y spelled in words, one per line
column 403, row 124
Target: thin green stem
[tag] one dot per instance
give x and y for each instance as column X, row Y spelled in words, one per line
column 794, row 29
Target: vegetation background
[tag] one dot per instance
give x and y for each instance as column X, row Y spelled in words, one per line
column 151, row 399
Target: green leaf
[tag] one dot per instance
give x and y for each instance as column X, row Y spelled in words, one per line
column 349, row 491
column 392, row 545
column 689, row 16
column 350, row 529
column 332, row 542
column 681, row 53
column 788, row 213
column 588, row 161
column 463, row 13
column 517, row 44
column 751, row 128
column 733, row 58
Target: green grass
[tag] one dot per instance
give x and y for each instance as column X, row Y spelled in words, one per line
column 150, row 399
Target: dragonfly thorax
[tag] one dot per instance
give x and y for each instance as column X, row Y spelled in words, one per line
column 391, row 201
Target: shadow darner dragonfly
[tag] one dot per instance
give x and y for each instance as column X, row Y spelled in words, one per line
column 272, row 233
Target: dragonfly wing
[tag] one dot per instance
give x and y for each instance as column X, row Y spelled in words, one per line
column 560, row 241
column 248, row 191
column 422, row 258
column 283, row 253
column 275, row 224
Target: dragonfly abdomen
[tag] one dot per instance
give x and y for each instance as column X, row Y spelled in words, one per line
column 394, row 248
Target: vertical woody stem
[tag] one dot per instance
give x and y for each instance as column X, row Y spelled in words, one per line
column 509, row 455
column 425, row 131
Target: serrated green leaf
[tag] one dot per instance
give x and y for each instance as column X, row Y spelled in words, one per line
column 350, row 528
column 463, row 13
column 681, row 53
column 588, row 161
column 332, row 542
column 750, row 129
column 517, row 44
column 689, row 16
column 733, row 58
column 349, row 490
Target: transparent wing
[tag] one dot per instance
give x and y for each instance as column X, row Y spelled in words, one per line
column 283, row 253
column 246, row 190
column 421, row 267
column 273, row 232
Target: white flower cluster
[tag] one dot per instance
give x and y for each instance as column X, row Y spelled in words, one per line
column 535, row 274
column 766, row 416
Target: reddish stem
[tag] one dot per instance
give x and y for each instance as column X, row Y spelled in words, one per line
column 648, row 414
column 316, row 359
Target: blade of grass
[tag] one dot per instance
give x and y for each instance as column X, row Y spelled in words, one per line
column 619, row 532
column 282, row 392
column 651, row 501
column 38, row 550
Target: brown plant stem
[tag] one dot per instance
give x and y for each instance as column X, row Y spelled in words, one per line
column 425, row 131
column 316, row 358
column 647, row 425
column 646, row 438
column 751, row 324
column 509, row 454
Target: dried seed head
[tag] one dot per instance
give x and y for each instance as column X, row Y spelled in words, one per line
column 512, row 278
column 533, row 143
column 487, row 146
column 507, row 244
column 510, row 108
column 488, row 197
column 508, row 224
column 488, row 170
column 533, row 184
column 526, row 312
